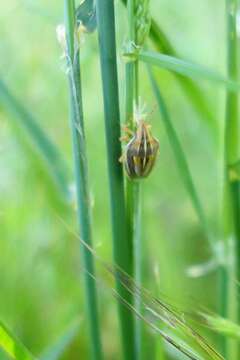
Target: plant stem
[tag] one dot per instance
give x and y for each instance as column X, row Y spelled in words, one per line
column 133, row 188
column 231, row 206
column 81, row 176
column 122, row 249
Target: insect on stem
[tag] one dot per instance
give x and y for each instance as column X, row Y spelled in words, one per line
column 141, row 151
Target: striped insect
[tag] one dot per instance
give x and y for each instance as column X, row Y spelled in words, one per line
column 140, row 152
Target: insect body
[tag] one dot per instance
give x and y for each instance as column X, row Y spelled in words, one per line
column 140, row 152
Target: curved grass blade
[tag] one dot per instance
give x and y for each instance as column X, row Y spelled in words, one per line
column 186, row 68
column 160, row 40
column 55, row 351
column 167, row 321
column 181, row 160
column 47, row 150
column 222, row 326
column 12, row 346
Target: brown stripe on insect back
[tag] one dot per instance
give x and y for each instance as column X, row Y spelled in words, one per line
column 141, row 152
column 151, row 149
column 140, row 157
column 131, row 152
column 145, row 147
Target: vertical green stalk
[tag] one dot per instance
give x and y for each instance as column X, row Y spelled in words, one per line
column 81, row 176
column 122, row 250
column 133, row 205
column 231, row 206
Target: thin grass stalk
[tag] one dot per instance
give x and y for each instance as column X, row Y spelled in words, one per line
column 138, row 257
column 133, row 213
column 122, row 249
column 133, row 187
column 231, row 206
column 159, row 344
column 81, row 176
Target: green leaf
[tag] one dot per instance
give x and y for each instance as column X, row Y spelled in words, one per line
column 223, row 326
column 186, row 68
column 181, row 159
column 86, row 15
column 13, row 346
column 160, row 40
column 47, row 150
column 56, row 350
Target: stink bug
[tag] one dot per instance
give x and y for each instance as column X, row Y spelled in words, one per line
column 141, row 151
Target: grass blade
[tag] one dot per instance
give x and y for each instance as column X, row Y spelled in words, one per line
column 47, row 150
column 223, row 326
column 172, row 324
column 160, row 40
column 12, row 345
column 180, row 158
column 81, row 176
column 133, row 188
column 121, row 248
column 55, row 351
column 186, row 68
column 231, row 206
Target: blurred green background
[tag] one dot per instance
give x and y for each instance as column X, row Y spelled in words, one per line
column 41, row 283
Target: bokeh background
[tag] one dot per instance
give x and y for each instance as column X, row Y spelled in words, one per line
column 41, row 282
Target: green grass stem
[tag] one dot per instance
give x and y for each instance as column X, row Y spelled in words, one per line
column 133, row 188
column 122, row 249
column 81, row 176
column 231, row 206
